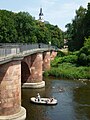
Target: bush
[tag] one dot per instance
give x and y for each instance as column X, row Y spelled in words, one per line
column 84, row 50
column 69, row 59
column 46, row 74
column 82, row 59
column 55, row 62
column 84, row 54
column 88, row 60
column 60, row 54
column 70, row 71
column 66, row 66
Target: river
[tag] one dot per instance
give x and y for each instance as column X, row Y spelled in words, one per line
column 73, row 98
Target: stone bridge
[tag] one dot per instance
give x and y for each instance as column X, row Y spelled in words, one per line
column 21, row 65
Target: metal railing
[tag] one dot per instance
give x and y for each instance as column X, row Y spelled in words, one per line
column 13, row 48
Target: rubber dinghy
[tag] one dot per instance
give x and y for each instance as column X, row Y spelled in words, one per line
column 46, row 101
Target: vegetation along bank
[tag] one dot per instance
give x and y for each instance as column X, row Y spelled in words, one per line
column 73, row 65
column 76, row 63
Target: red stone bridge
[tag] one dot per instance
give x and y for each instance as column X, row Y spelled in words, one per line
column 21, row 65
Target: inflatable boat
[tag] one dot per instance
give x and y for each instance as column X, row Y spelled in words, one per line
column 46, row 101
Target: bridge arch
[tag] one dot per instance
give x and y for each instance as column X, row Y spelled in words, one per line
column 25, row 72
column 32, row 65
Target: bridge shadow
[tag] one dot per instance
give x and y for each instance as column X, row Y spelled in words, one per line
column 33, row 58
column 3, row 71
column 25, row 72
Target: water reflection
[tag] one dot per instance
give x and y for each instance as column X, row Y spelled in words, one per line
column 73, row 101
column 82, row 98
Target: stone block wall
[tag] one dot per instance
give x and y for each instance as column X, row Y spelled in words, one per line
column 46, row 60
column 10, row 88
column 53, row 55
column 31, row 68
column 25, row 69
column 36, row 68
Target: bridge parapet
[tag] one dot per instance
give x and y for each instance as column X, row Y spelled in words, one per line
column 7, row 49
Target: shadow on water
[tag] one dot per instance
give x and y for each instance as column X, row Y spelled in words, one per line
column 73, row 101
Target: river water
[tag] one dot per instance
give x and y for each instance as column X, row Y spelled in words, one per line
column 73, row 101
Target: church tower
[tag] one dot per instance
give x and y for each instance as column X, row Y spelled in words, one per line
column 41, row 16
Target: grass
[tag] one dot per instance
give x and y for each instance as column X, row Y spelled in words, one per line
column 66, row 67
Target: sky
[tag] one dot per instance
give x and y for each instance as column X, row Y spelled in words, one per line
column 57, row 12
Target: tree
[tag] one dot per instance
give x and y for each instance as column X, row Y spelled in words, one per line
column 8, row 32
column 56, row 35
column 87, row 22
column 23, row 28
column 84, row 53
column 76, row 30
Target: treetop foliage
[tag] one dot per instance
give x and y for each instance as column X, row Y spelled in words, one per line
column 79, row 29
column 23, row 28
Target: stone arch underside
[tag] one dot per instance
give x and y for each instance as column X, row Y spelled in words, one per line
column 25, row 72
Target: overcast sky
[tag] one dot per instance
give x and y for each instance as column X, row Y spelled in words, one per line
column 57, row 12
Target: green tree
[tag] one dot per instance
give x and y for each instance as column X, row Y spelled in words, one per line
column 56, row 35
column 87, row 22
column 84, row 53
column 8, row 32
column 23, row 28
column 76, row 30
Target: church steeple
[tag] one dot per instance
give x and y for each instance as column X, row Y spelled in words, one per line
column 41, row 15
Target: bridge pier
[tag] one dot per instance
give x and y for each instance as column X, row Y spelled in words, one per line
column 33, row 76
column 10, row 92
column 53, row 54
column 46, row 60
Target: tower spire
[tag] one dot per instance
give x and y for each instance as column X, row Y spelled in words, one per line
column 41, row 15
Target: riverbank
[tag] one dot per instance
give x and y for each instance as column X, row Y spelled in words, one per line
column 69, row 71
column 66, row 67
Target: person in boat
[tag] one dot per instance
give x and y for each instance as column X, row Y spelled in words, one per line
column 51, row 99
column 47, row 101
column 38, row 97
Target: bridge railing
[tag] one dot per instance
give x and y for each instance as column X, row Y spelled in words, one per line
column 13, row 48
